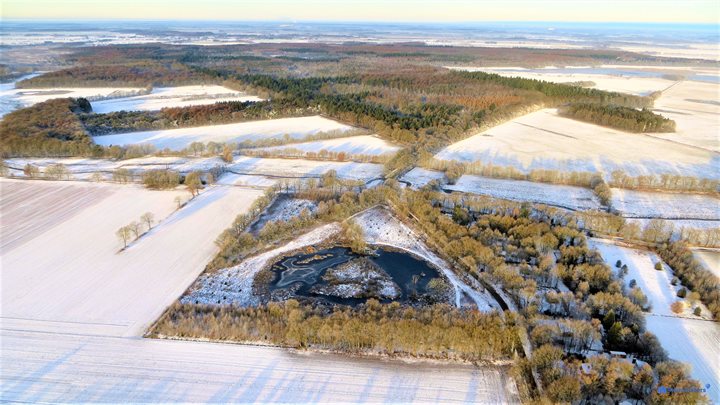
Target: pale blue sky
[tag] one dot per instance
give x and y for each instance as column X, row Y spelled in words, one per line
column 659, row 11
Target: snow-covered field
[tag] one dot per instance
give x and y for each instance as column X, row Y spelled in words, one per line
column 110, row 99
column 600, row 77
column 695, row 108
column 576, row 198
column 296, row 168
column 84, row 168
column 686, row 337
column 643, row 204
column 692, row 102
column 244, row 170
column 12, row 98
column 54, row 368
column 355, row 145
column 710, row 259
column 180, row 138
column 419, row 177
column 73, row 308
column 545, row 140
column 61, row 262
column 182, row 96
column 380, row 227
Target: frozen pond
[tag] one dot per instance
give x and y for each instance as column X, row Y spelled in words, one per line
column 339, row 276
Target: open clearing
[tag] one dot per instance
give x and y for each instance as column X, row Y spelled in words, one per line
column 180, row 138
column 164, row 97
column 545, row 140
column 73, row 309
column 686, row 337
column 354, row 145
column 644, row 204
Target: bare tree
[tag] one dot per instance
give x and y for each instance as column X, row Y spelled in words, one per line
column 96, row 177
column 178, row 201
column 193, row 183
column 31, row 171
column 135, row 228
column 227, row 154
column 148, row 218
column 124, row 234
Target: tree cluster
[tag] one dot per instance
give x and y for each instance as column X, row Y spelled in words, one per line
column 619, row 117
column 438, row 331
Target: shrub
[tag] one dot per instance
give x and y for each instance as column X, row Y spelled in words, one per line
column 682, row 292
column 658, row 266
column 697, row 311
column 159, row 179
column 677, row 307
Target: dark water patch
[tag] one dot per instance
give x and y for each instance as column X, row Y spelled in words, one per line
column 339, row 276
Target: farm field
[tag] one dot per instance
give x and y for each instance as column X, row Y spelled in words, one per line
column 12, row 98
column 165, row 97
column 62, row 367
column 570, row 197
column 686, row 337
column 354, row 145
column 695, row 108
column 643, row 204
column 180, row 138
column 604, row 78
column 84, row 168
column 299, row 168
column 65, row 313
column 689, row 94
column 545, row 140
column 77, row 276
column 244, row 170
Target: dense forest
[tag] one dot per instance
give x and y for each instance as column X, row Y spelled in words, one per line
column 50, row 128
column 619, row 117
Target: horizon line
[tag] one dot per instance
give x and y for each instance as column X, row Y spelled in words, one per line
column 292, row 21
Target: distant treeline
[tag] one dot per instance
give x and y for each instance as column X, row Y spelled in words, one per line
column 619, row 117
column 134, row 75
